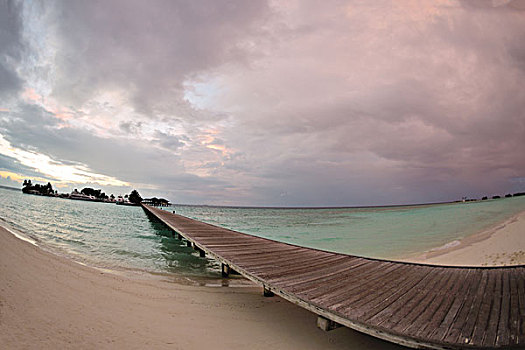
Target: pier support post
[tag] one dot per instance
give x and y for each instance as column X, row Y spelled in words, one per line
column 326, row 324
column 267, row 292
column 202, row 253
column 225, row 270
column 188, row 243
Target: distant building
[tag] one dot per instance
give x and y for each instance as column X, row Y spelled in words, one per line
column 80, row 196
column 156, row 202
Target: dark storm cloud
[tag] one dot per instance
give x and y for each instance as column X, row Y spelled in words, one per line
column 445, row 111
column 11, row 164
column 147, row 48
column 289, row 103
column 29, row 127
column 11, row 46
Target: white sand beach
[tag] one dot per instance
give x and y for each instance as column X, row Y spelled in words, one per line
column 502, row 245
column 49, row 302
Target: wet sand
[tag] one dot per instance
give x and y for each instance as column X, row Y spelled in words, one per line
column 50, row 302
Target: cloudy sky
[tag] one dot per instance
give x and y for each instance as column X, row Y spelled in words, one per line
column 285, row 103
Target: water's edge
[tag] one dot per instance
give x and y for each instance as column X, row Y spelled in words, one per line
column 124, row 240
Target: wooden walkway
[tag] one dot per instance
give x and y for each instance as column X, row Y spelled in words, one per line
column 420, row 306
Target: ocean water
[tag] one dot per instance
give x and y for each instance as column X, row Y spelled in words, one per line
column 123, row 238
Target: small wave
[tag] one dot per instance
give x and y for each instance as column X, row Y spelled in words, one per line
column 148, row 237
column 448, row 245
column 18, row 235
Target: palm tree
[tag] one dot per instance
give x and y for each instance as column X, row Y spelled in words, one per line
column 134, row 197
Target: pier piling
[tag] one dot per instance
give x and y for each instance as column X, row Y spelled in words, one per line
column 202, row 253
column 267, row 292
column 225, row 270
column 326, row 324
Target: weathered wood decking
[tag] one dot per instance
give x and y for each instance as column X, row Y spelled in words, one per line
column 420, row 306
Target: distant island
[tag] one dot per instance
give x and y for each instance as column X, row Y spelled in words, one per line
column 484, row 198
column 92, row 195
column 43, row 190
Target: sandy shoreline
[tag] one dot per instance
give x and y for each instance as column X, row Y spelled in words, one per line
column 502, row 245
column 50, row 302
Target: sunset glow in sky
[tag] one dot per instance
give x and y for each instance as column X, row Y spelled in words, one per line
column 281, row 103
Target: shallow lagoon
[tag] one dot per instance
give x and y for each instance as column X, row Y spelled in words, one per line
column 120, row 237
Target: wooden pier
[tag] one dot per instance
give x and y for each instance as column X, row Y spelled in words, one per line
column 415, row 305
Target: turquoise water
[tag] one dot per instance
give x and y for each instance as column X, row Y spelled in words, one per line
column 120, row 237
column 380, row 232
column 102, row 234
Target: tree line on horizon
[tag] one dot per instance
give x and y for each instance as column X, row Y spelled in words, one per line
column 47, row 190
column 134, row 197
column 508, row 195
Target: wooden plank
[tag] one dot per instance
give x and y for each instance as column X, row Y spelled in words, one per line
column 353, row 293
column 297, row 282
column 249, row 250
column 448, row 299
column 410, row 304
column 279, row 261
column 503, row 333
column 514, row 309
column 224, row 240
column 492, row 328
column 224, row 244
column 462, row 331
column 248, row 244
column 348, row 282
column 319, row 264
column 354, row 302
column 334, row 282
column 206, row 231
column 521, row 302
column 308, row 282
column 267, row 261
column 377, row 315
column 257, row 255
column 211, row 236
column 297, row 264
column 410, row 299
column 258, row 252
column 438, row 297
column 458, row 300
column 481, row 323
column 220, row 243
column 388, row 291
column 236, row 250
column 417, row 305
column 363, row 301
column 196, row 229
